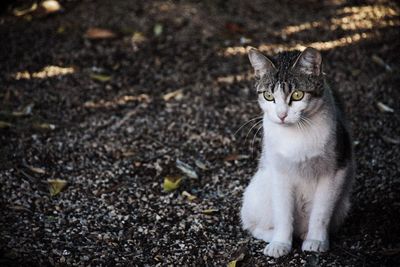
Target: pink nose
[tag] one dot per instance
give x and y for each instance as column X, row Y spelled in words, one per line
column 282, row 116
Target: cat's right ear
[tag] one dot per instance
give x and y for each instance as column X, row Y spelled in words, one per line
column 261, row 64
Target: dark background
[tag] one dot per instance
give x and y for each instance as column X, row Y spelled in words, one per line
column 97, row 113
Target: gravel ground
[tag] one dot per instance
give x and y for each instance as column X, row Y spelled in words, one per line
column 113, row 116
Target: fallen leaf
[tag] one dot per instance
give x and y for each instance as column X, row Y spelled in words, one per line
column 209, row 211
column 44, row 126
column 61, row 29
column 177, row 95
column 158, row 29
column 138, row 38
column 100, row 77
column 235, row 156
column 384, row 108
column 36, row 169
column 233, row 27
column 186, row 169
column 128, row 153
column 390, row 140
column 381, row 63
column 189, row 196
column 244, row 40
column 21, row 11
column 99, row 33
column 24, row 112
column 239, row 255
column 201, row 164
column 56, row 186
column 4, row 125
column 50, row 6
column 171, row 183
column 226, row 79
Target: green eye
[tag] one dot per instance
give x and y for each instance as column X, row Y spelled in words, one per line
column 297, row 95
column 268, row 96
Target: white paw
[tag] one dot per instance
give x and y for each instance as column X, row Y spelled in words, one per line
column 315, row 245
column 277, row 249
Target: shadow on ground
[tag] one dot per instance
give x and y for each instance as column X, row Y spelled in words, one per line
column 112, row 116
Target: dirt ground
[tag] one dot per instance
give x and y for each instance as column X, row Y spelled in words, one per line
column 111, row 112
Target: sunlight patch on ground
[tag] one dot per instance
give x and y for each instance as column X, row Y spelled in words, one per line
column 46, row 72
column 356, row 18
column 229, row 79
column 352, row 18
column 120, row 101
column 274, row 48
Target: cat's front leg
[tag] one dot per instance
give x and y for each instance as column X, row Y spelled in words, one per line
column 282, row 208
column 326, row 196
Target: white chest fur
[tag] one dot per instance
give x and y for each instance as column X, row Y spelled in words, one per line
column 296, row 144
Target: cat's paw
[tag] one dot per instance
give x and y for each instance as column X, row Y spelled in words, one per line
column 277, row 249
column 315, row 245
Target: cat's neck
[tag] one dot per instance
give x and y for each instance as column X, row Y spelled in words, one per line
column 297, row 143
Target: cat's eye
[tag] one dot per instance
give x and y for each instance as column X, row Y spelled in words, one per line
column 268, row 96
column 297, row 95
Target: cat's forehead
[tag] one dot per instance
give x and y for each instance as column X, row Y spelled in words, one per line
column 286, row 78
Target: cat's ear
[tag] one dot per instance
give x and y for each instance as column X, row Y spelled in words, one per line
column 309, row 62
column 261, row 64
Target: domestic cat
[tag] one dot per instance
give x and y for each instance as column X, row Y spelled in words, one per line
column 305, row 174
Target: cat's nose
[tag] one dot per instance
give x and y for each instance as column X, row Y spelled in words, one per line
column 282, row 116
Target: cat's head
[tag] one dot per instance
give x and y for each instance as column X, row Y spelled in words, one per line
column 290, row 85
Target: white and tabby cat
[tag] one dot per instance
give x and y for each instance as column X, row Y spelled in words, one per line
column 305, row 172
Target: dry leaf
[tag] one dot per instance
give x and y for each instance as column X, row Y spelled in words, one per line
column 36, row 169
column 209, row 211
column 177, row 95
column 231, row 157
column 186, row 169
column 380, row 62
column 158, row 29
column 61, row 29
column 240, row 255
column 226, row 79
column 25, row 112
column 56, row 186
column 21, row 11
column 384, row 108
column 138, row 38
column 100, row 77
column 201, row 165
column 171, row 183
column 235, row 156
column 99, row 33
column 390, row 140
column 4, row 125
column 50, row 6
column 189, row 196
column 44, row 126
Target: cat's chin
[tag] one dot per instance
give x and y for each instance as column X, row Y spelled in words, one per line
column 285, row 124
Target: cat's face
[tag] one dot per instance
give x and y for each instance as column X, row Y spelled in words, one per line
column 289, row 90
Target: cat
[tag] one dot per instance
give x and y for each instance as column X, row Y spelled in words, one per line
column 303, row 183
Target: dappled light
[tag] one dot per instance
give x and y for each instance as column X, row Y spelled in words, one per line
column 120, row 101
column 357, row 20
column 274, row 48
column 129, row 130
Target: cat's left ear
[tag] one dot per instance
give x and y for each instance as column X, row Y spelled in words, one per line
column 309, row 62
column 261, row 64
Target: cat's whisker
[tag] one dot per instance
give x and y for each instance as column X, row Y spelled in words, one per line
column 255, row 125
column 254, row 138
column 247, row 122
